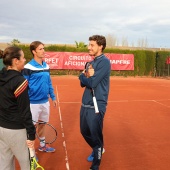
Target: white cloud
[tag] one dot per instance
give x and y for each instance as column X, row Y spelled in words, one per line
column 2, row 38
column 69, row 21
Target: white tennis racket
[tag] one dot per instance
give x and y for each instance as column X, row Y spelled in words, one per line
column 87, row 65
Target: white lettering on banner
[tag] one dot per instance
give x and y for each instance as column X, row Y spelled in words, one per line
column 77, row 60
column 75, row 63
column 51, row 60
column 120, row 61
column 74, row 57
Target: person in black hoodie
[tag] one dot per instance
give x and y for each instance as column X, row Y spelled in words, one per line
column 17, row 131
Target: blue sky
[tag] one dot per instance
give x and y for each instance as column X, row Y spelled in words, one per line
column 67, row 21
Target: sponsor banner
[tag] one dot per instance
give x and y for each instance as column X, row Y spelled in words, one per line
column 121, row 61
column 77, row 61
column 168, row 60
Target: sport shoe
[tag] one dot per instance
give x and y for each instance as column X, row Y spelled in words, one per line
column 46, row 148
column 91, row 157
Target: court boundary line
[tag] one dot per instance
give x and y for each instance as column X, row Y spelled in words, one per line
column 119, row 101
column 161, row 103
column 133, row 100
column 62, row 130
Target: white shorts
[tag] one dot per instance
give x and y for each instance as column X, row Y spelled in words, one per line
column 40, row 112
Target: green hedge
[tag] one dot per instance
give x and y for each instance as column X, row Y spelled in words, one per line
column 162, row 68
column 146, row 62
column 150, row 63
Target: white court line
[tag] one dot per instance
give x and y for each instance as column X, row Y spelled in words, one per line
column 63, row 85
column 161, row 103
column 155, row 101
column 81, row 102
column 112, row 101
column 62, row 130
column 122, row 101
column 70, row 102
column 151, row 100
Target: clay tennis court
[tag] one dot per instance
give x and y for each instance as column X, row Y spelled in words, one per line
column 136, row 126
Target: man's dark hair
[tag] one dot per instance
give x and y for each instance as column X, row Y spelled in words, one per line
column 34, row 45
column 11, row 53
column 100, row 40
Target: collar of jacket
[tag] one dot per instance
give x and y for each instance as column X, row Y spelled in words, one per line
column 96, row 58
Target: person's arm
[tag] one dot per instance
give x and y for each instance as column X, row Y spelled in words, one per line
column 21, row 94
column 82, row 74
column 26, row 73
column 87, row 74
column 101, row 70
column 51, row 92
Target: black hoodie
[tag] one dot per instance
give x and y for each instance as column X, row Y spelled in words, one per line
column 14, row 102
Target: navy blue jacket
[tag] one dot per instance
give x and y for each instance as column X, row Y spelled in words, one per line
column 100, row 82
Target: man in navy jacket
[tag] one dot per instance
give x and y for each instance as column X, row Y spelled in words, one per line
column 97, row 78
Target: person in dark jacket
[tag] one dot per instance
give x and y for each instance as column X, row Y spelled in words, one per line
column 17, row 132
column 96, row 77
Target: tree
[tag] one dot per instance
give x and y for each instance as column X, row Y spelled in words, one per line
column 80, row 44
column 111, row 40
column 124, row 42
column 15, row 42
column 142, row 42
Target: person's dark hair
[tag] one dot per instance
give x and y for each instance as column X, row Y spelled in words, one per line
column 1, row 54
column 100, row 40
column 10, row 53
column 34, row 45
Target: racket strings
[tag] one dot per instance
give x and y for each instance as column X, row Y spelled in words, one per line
column 35, row 166
column 49, row 134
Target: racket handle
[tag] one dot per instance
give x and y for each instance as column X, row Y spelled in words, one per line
column 95, row 105
column 32, row 152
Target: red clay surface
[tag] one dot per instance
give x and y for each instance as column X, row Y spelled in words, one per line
column 136, row 126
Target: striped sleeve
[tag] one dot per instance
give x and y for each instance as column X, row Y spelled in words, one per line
column 21, row 88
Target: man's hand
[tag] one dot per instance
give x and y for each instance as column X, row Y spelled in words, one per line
column 90, row 71
column 54, row 103
column 30, row 143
